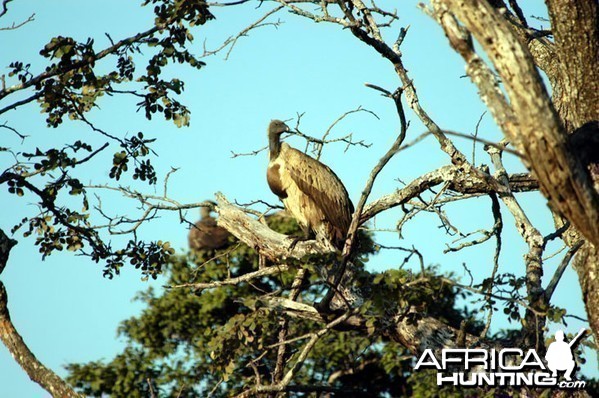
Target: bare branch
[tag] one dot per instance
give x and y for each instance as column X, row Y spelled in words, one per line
column 355, row 222
column 416, row 187
column 16, row 104
column 21, row 136
column 232, row 41
column 560, row 270
column 15, row 25
column 498, row 227
column 319, row 143
column 475, row 136
column 281, row 386
column 347, row 138
column 275, row 269
column 54, row 71
column 252, row 153
column 486, row 234
column 4, row 9
column 13, row 341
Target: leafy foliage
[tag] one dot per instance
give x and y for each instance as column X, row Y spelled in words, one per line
column 69, row 87
column 224, row 338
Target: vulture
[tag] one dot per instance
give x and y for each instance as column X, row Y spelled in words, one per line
column 309, row 189
column 206, row 235
column 584, row 142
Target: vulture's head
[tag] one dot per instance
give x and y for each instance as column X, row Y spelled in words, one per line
column 206, row 210
column 276, row 128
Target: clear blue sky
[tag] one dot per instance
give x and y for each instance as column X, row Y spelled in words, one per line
column 67, row 312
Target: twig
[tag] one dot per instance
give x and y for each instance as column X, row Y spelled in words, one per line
column 152, row 393
column 252, row 153
column 299, row 361
column 486, row 142
column 260, row 201
column 494, row 231
column 21, row 136
column 216, row 257
column 335, row 122
column 15, row 25
column 4, row 7
column 283, row 330
column 211, row 393
column 498, row 227
column 493, row 295
column 166, row 178
column 475, row 136
column 232, row 41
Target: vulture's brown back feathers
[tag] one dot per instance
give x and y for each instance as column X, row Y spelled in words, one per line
column 323, row 186
column 207, row 235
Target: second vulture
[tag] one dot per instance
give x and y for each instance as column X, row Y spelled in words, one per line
column 309, row 189
column 206, row 234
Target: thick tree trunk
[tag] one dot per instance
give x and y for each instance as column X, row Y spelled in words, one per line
column 570, row 63
column 575, row 26
column 586, row 265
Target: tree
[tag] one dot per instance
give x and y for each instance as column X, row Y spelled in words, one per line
column 554, row 137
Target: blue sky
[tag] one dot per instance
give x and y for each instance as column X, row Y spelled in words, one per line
column 67, row 312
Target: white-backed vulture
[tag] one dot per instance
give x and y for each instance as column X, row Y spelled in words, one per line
column 206, row 234
column 309, row 189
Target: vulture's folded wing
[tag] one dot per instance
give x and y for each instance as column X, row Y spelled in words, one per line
column 322, row 185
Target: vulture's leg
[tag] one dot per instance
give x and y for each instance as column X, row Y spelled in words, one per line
column 304, row 236
column 261, row 261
